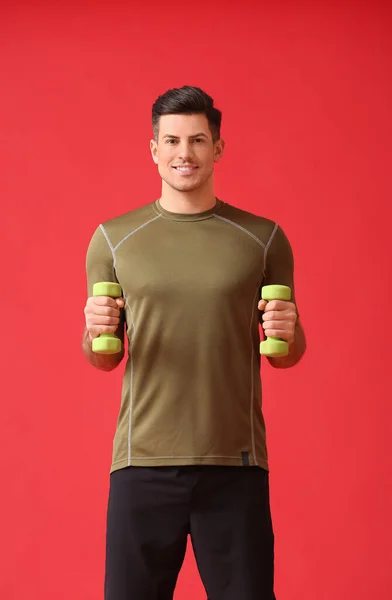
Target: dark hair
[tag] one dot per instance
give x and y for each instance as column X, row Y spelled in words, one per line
column 187, row 100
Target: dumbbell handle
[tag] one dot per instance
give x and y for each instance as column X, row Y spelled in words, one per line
column 107, row 343
column 272, row 346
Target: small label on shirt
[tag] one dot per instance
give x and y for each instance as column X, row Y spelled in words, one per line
column 245, row 459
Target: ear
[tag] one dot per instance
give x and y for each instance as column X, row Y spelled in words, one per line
column 219, row 149
column 154, row 151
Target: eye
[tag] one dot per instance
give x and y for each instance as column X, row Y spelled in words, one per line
column 198, row 140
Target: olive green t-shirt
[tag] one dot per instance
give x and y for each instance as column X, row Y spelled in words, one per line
column 191, row 391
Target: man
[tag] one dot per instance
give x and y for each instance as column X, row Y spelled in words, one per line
column 189, row 454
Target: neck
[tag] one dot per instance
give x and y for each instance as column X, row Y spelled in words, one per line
column 195, row 201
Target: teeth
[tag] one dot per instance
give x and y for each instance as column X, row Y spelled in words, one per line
column 184, row 168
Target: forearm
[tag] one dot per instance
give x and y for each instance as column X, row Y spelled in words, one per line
column 296, row 351
column 103, row 362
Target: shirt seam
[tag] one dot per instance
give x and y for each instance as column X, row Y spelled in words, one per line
column 254, row 237
column 131, row 382
column 252, row 381
column 179, row 457
column 194, row 216
column 112, row 249
column 135, row 231
column 267, row 247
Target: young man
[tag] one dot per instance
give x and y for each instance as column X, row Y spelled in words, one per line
column 189, row 453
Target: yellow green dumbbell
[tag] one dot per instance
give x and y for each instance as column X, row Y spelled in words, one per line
column 273, row 346
column 107, row 343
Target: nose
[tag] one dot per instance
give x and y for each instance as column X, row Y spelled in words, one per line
column 185, row 150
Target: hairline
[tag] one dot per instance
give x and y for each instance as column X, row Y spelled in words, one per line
column 190, row 113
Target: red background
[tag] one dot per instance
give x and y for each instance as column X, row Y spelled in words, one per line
column 305, row 91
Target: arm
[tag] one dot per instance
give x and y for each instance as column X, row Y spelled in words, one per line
column 103, row 315
column 281, row 319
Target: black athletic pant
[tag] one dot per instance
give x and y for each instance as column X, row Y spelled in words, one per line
column 224, row 509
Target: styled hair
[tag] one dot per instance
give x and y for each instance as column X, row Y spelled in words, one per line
column 187, row 100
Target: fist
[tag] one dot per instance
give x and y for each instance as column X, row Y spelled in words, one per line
column 102, row 315
column 279, row 319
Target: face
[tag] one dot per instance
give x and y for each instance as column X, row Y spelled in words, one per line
column 185, row 151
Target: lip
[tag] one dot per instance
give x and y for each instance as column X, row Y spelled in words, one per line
column 188, row 169
column 188, row 166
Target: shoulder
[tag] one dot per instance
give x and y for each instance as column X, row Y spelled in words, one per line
column 261, row 227
column 118, row 227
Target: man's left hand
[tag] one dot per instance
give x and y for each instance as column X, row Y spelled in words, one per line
column 279, row 319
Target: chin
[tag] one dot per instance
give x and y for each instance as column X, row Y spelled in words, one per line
column 186, row 186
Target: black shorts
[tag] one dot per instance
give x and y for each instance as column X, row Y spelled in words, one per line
column 224, row 510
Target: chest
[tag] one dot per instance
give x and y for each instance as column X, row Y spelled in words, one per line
column 184, row 261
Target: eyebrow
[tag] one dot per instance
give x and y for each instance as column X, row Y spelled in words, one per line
column 168, row 135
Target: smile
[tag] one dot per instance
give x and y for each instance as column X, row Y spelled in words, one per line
column 188, row 170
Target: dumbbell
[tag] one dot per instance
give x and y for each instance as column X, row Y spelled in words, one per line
column 106, row 343
column 273, row 346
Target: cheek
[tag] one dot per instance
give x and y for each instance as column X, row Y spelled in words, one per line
column 209, row 157
column 164, row 167
column 162, row 159
column 165, row 158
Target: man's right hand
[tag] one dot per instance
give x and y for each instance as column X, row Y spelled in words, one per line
column 102, row 315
